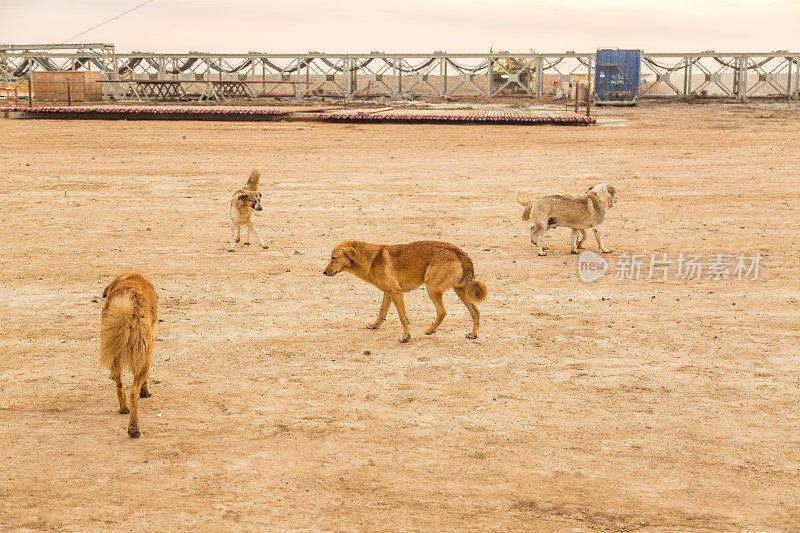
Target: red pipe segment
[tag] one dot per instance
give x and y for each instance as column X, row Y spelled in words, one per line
column 494, row 116
column 136, row 110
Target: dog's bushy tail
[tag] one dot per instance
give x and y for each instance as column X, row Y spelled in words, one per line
column 526, row 213
column 126, row 336
column 252, row 181
column 475, row 290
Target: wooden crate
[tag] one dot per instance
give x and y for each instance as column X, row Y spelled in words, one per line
column 52, row 86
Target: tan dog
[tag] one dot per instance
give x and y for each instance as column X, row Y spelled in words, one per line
column 400, row 268
column 245, row 202
column 127, row 333
column 576, row 212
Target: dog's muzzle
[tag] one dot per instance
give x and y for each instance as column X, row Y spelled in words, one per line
column 326, row 272
column 258, row 207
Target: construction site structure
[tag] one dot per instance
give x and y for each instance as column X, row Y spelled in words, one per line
column 139, row 76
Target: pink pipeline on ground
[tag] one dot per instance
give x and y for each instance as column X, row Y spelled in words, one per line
column 467, row 115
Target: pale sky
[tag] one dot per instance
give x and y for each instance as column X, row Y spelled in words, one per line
column 336, row 26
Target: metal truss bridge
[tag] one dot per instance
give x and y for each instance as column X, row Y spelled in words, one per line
column 138, row 75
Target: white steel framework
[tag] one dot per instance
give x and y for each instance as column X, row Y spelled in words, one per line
column 136, row 76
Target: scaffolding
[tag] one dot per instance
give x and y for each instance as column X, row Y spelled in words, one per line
column 137, row 75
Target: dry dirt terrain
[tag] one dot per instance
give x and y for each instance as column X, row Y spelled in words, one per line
column 615, row 405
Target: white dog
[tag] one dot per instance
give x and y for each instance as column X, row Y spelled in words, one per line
column 576, row 212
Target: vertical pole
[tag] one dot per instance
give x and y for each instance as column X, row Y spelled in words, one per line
column 308, row 79
column 346, row 79
column 687, row 72
column 489, row 76
column 742, row 63
column 589, row 79
column 789, row 79
column 358, row 68
column 577, row 95
column 395, row 80
column 797, row 76
column 539, row 76
column 297, row 77
column 588, row 101
column 252, row 79
column 3, row 62
column 115, row 76
column 69, row 92
column 442, row 77
column 30, row 90
column 443, row 81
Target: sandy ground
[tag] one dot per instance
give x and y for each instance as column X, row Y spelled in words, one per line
column 617, row 405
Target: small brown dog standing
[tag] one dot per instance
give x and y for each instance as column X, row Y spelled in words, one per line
column 244, row 204
column 127, row 333
column 400, row 268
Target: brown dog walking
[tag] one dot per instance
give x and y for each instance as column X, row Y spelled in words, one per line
column 399, row 268
column 127, row 333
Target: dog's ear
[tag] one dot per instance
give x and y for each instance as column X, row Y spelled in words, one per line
column 612, row 190
column 350, row 252
column 258, row 194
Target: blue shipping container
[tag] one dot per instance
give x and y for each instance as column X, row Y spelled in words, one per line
column 616, row 76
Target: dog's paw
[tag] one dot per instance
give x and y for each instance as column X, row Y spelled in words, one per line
column 573, row 251
column 471, row 335
column 405, row 338
column 372, row 325
column 542, row 254
column 124, row 410
column 430, row 331
column 606, row 251
column 133, row 432
column 264, row 246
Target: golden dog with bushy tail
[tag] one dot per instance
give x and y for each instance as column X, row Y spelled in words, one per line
column 399, row 268
column 127, row 334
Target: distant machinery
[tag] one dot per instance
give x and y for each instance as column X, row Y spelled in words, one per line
column 507, row 67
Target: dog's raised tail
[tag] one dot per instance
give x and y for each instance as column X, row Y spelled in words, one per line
column 526, row 213
column 252, row 181
column 125, row 335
